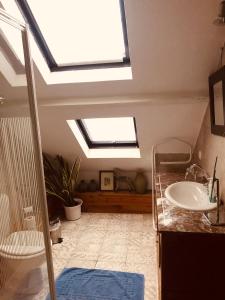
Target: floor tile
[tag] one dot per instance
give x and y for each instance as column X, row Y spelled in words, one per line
column 77, row 263
column 88, row 248
column 119, row 242
column 112, row 265
column 147, row 269
column 59, row 265
column 113, row 253
column 90, row 234
column 139, row 256
column 117, row 226
column 81, row 255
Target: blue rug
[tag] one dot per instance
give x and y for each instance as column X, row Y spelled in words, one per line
column 88, row 284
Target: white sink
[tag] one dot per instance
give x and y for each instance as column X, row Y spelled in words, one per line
column 189, row 195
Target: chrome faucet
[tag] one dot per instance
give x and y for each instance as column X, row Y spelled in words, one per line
column 196, row 171
column 213, row 191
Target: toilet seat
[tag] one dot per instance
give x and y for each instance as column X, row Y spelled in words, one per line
column 23, row 244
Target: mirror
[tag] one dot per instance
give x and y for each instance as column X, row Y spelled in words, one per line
column 217, row 101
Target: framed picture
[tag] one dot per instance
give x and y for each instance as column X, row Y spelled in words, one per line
column 106, row 179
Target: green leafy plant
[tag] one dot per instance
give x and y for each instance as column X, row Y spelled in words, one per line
column 60, row 179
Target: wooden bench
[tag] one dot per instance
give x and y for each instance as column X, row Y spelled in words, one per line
column 116, row 202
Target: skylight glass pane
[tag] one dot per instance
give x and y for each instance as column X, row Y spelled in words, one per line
column 81, row 31
column 111, row 129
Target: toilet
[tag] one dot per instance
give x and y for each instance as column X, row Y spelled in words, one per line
column 22, row 255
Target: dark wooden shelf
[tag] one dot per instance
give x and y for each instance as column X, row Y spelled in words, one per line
column 116, row 202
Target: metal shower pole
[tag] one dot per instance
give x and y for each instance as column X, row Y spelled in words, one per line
column 36, row 141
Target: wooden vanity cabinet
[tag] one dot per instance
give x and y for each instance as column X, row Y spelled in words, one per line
column 191, row 266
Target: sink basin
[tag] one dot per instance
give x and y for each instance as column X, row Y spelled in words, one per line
column 189, row 195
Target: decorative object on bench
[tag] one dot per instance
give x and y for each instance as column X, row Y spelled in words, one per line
column 106, row 180
column 82, row 186
column 122, row 179
column 140, row 183
column 61, row 181
column 92, row 186
column 78, row 283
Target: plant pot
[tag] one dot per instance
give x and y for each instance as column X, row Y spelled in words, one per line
column 73, row 212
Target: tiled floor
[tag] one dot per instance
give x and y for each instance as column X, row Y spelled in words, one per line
column 120, row 242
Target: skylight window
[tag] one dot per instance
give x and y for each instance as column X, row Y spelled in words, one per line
column 109, row 132
column 106, row 137
column 79, row 34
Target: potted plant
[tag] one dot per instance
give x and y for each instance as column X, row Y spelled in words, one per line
column 61, row 181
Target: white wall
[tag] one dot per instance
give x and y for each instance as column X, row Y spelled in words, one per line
column 155, row 121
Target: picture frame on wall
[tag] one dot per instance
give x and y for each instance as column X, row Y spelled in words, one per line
column 106, row 180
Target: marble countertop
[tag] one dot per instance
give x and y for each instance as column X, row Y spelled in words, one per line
column 174, row 219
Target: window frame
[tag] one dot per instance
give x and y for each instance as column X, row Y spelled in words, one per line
column 50, row 60
column 96, row 145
